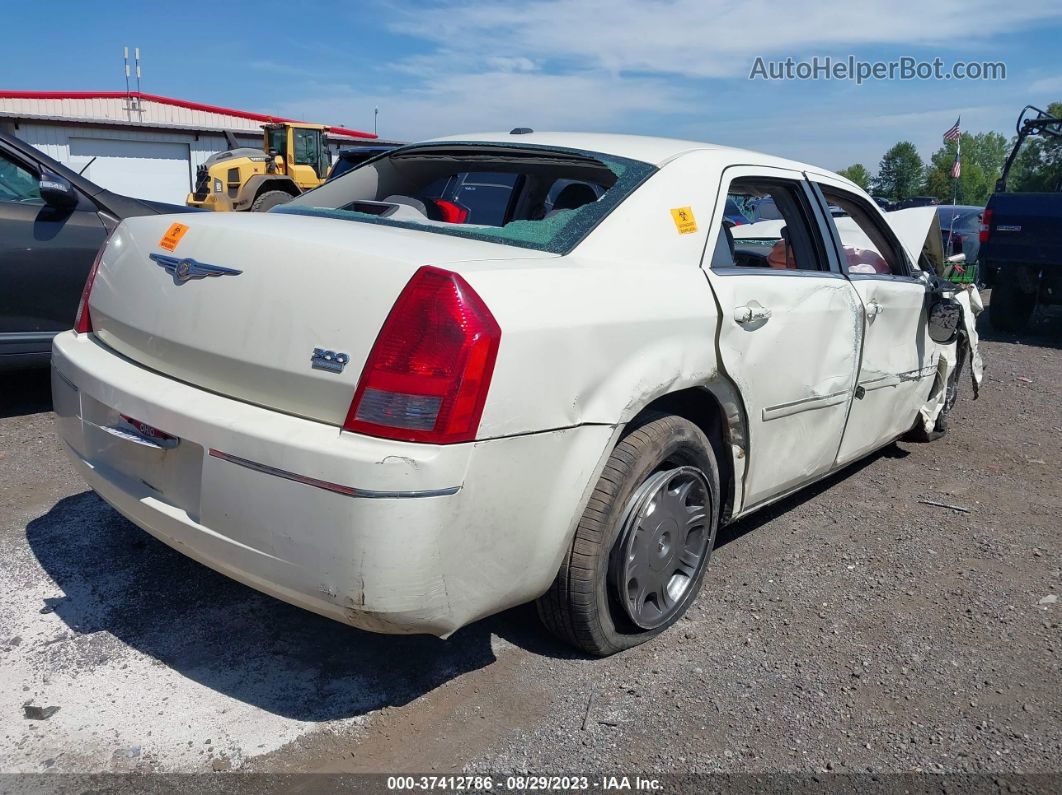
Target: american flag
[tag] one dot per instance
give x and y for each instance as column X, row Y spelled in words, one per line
column 953, row 132
column 955, row 169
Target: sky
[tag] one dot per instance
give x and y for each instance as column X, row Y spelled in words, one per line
column 654, row 67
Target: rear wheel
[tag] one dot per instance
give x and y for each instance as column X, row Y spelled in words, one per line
column 1012, row 301
column 643, row 543
column 269, row 200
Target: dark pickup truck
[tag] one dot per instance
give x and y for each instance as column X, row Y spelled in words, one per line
column 1021, row 240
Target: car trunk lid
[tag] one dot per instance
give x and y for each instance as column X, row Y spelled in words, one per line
column 242, row 301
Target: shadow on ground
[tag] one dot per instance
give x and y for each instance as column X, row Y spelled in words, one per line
column 25, row 392
column 1044, row 329
column 761, row 517
column 119, row 580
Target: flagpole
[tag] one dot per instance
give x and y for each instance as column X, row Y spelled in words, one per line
column 955, row 184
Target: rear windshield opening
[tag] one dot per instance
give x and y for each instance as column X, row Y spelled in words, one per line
column 535, row 197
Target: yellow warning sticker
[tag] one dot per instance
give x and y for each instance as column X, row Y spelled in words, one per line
column 173, row 236
column 685, row 223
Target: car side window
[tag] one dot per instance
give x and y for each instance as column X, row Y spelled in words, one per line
column 785, row 241
column 18, row 184
column 869, row 248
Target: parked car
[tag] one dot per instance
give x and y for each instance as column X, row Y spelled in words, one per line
column 429, row 421
column 1021, row 238
column 916, row 201
column 733, row 215
column 346, row 159
column 52, row 223
column 960, row 229
column 764, row 209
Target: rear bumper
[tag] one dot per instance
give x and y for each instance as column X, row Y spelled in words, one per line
column 430, row 539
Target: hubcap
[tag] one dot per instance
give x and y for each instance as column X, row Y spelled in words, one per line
column 664, row 542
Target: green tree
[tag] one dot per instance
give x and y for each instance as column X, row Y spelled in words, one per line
column 901, row 173
column 981, row 161
column 858, row 173
column 1038, row 166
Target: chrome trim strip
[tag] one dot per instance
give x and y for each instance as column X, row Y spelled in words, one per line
column 130, row 435
column 807, row 404
column 349, row 491
column 895, row 379
column 134, row 437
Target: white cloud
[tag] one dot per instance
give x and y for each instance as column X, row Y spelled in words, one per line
column 1047, row 85
column 707, row 38
column 678, row 67
column 443, row 104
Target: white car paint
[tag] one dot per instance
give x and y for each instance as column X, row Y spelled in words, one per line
column 440, row 535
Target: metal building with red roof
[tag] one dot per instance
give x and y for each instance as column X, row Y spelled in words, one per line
column 138, row 144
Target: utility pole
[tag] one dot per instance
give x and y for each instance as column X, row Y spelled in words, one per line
column 128, row 99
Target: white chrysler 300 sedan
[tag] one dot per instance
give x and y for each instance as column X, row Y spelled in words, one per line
column 481, row 371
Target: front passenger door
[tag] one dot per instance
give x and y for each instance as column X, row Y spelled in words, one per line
column 899, row 360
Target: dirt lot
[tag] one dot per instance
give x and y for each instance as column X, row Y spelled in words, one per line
column 850, row 628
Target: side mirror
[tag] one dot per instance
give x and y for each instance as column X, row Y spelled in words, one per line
column 57, row 192
column 944, row 317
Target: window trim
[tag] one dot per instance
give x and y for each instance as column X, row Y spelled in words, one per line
column 816, row 229
column 32, row 169
column 635, row 174
column 870, row 208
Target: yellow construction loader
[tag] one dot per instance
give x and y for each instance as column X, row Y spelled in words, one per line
column 293, row 159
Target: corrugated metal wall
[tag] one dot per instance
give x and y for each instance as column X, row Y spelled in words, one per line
column 54, row 140
column 92, row 114
column 124, row 110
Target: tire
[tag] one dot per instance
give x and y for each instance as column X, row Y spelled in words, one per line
column 919, row 433
column 269, row 200
column 586, row 606
column 1011, row 306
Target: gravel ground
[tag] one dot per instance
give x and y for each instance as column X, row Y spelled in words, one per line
column 849, row 628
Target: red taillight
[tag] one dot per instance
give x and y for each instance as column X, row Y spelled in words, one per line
column 452, row 213
column 427, row 376
column 986, row 225
column 83, row 319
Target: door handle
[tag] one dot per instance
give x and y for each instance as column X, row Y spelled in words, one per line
column 751, row 312
column 874, row 308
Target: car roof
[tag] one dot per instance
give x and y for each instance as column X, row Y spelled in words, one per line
column 648, row 149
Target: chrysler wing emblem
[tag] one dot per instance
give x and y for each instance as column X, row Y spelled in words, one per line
column 183, row 269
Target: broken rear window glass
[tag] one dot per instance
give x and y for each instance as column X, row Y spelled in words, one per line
column 530, row 196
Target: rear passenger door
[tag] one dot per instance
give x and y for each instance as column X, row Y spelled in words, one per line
column 790, row 328
column 899, row 361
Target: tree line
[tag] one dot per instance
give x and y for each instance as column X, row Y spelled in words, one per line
column 902, row 173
